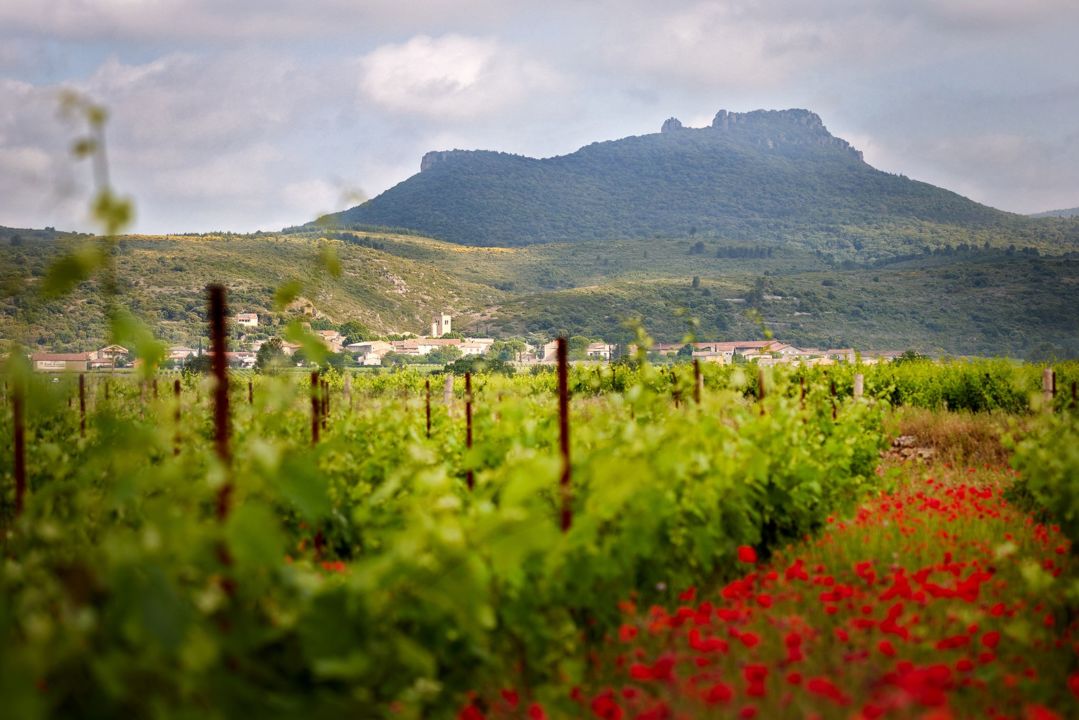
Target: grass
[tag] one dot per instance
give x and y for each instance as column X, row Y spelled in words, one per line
column 956, row 438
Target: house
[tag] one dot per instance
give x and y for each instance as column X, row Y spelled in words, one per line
column 370, row 359
column 112, row 353
column 441, row 325
column 841, row 355
column 332, row 339
column 244, row 360
column 368, row 347
column 180, row 353
column 290, row 348
column 599, row 350
column 549, row 352
column 61, row 362
column 720, row 358
column 248, row 319
column 476, row 346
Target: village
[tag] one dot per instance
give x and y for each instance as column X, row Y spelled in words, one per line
column 442, row 345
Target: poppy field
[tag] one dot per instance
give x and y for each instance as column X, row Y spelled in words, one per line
column 616, row 542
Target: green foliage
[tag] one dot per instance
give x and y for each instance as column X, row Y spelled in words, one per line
column 271, row 356
column 1046, row 460
column 122, row 594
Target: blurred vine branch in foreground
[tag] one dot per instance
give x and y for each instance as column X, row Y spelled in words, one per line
column 96, row 258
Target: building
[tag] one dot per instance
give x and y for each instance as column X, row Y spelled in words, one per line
column 61, row 362
column 476, row 346
column 441, row 324
column 180, row 353
column 248, row 319
column 245, row 360
column 332, row 339
column 599, row 350
column 111, row 353
column 369, row 346
column 841, row 355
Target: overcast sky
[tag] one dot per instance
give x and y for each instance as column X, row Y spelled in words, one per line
column 256, row 114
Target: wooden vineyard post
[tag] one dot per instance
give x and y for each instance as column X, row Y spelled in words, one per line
column 106, row 389
column 325, row 411
column 1075, row 395
column 802, row 399
column 675, row 392
column 82, row 405
column 155, row 388
column 698, row 381
column 176, row 416
column 447, row 390
column 314, row 407
column 220, row 364
column 859, row 386
column 348, row 390
column 470, row 476
column 18, row 401
column 1049, row 386
column 761, row 390
column 563, row 435
column 427, row 403
column 250, row 391
column 832, row 389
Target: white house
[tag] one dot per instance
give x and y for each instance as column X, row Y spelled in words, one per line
column 599, row 350
column 369, row 346
column 179, row 353
column 476, row 346
column 248, row 319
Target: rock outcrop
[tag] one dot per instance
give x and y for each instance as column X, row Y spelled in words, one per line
column 671, row 124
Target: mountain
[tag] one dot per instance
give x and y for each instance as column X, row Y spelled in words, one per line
column 1066, row 213
column 754, row 173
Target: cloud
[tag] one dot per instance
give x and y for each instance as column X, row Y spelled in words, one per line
column 229, row 20
column 454, row 76
column 231, row 153
column 244, row 114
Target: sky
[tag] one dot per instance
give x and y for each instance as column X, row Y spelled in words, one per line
column 251, row 115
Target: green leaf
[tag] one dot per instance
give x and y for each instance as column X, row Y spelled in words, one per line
column 312, row 344
column 84, row 147
column 254, row 536
column 301, row 485
column 114, row 213
column 327, row 257
column 286, row 294
column 69, row 270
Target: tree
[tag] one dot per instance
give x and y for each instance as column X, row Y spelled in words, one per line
column 443, row 355
column 696, row 281
column 911, row 356
column 577, row 347
column 271, row 356
column 479, row 364
column 507, row 350
column 686, row 351
column 355, row 331
column 198, row 364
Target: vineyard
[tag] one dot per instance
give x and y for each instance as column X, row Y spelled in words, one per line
column 608, row 541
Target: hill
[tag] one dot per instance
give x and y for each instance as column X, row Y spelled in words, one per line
column 1066, row 213
column 947, row 301
column 774, row 177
